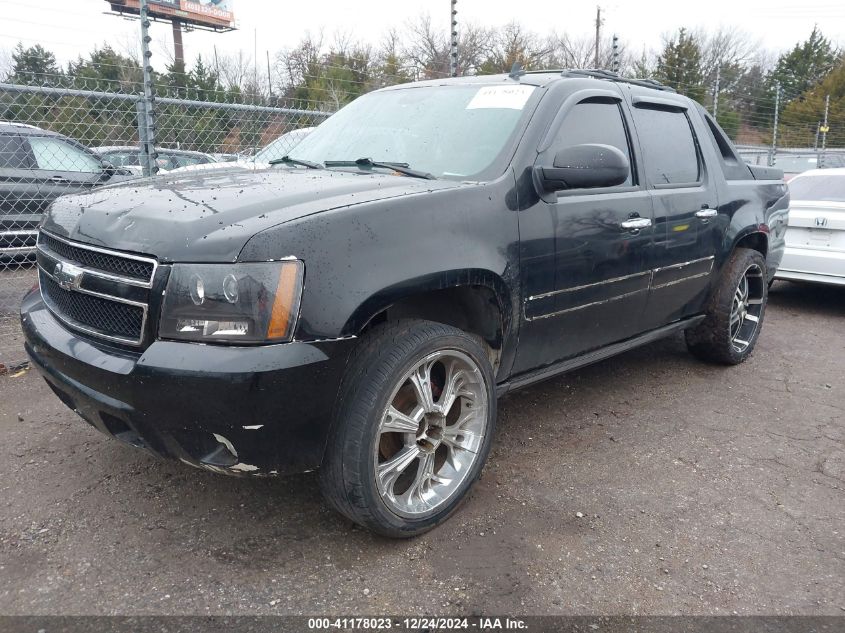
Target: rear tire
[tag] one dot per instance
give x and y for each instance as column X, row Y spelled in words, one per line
column 413, row 427
column 735, row 312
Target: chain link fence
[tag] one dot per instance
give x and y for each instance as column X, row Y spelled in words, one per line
column 67, row 133
column 60, row 140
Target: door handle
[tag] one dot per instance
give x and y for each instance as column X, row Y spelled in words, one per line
column 706, row 213
column 635, row 224
column 60, row 180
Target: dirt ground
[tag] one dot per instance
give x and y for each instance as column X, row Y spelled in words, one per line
column 647, row 484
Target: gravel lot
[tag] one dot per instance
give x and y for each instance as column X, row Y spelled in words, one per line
column 647, row 484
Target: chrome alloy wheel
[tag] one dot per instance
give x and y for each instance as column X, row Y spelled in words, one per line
column 430, row 433
column 747, row 307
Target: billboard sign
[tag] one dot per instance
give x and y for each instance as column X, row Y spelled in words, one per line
column 209, row 13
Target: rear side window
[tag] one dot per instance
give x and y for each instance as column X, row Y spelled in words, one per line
column 53, row 154
column 12, row 154
column 595, row 122
column 732, row 167
column 818, row 188
column 668, row 146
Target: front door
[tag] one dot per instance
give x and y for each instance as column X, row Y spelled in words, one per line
column 583, row 252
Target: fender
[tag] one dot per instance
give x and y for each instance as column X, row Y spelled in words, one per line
column 442, row 280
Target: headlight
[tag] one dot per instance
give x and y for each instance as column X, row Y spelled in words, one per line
column 232, row 303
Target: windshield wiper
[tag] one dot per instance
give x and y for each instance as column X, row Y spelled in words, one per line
column 402, row 168
column 289, row 160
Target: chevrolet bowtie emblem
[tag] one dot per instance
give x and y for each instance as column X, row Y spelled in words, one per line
column 67, row 275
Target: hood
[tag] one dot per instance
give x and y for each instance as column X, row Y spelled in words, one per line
column 208, row 216
column 234, row 165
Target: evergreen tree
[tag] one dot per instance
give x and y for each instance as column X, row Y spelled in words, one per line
column 804, row 66
column 679, row 65
column 34, row 65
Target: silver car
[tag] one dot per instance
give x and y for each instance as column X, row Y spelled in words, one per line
column 815, row 239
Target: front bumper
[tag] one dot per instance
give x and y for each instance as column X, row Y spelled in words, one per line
column 237, row 410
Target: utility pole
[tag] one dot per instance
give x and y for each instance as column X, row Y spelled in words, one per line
column 146, row 118
column 824, row 130
column 775, row 130
column 453, row 53
column 614, row 61
column 598, row 34
column 716, row 93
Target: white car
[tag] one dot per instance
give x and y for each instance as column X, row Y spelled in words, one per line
column 815, row 239
column 275, row 150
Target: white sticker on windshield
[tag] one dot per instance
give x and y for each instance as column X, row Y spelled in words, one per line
column 509, row 97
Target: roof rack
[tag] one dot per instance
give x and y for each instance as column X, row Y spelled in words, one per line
column 601, row 74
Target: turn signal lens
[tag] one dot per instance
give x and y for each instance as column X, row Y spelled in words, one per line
column 286, row 302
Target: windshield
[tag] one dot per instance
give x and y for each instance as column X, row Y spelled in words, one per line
column 448, row 131
column 282, row 145
column 818, row 188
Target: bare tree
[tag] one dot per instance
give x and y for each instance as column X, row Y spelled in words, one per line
column 427, row 48
column 579, row 52
column 6, row 63
column 513, row 44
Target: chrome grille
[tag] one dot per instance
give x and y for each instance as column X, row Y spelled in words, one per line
column 99, row 259
column 98, row 291
column 93, row 313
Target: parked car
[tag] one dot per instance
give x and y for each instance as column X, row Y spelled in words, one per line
column 794, row 162
column 261, row 160
column 815, row 240
column 427, row 249
column 129, row 158
column 37, row 166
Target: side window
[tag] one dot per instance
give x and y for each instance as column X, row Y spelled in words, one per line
column 56, row 155
column 12, row 153
column 669, row 152
column 595, row 122
column 732, row 166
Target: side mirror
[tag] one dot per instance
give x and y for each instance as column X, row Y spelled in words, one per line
column 109, row 170
column 585, row 167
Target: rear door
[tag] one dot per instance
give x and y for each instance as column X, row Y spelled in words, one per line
column 687, row 225
column 61, row 167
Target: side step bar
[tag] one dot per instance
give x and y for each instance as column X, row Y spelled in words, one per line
column 595, row 356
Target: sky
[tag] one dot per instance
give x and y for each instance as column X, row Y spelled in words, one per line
column 73, row 27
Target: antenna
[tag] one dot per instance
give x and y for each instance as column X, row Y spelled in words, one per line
column 516, row 71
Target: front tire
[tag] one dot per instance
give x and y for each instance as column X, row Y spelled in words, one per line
column 413, row 427
column 735, row 311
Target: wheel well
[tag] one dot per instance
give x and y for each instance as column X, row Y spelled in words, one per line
column 755, row 241
column 473, row 309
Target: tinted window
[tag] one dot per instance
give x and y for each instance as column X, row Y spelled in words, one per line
column 12, row 155
column 668, row 146
column 594, row 122
column 57, row 155
column 818, row 188
column 732, row 166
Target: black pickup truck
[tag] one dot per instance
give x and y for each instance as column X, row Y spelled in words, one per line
column 359, row 307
